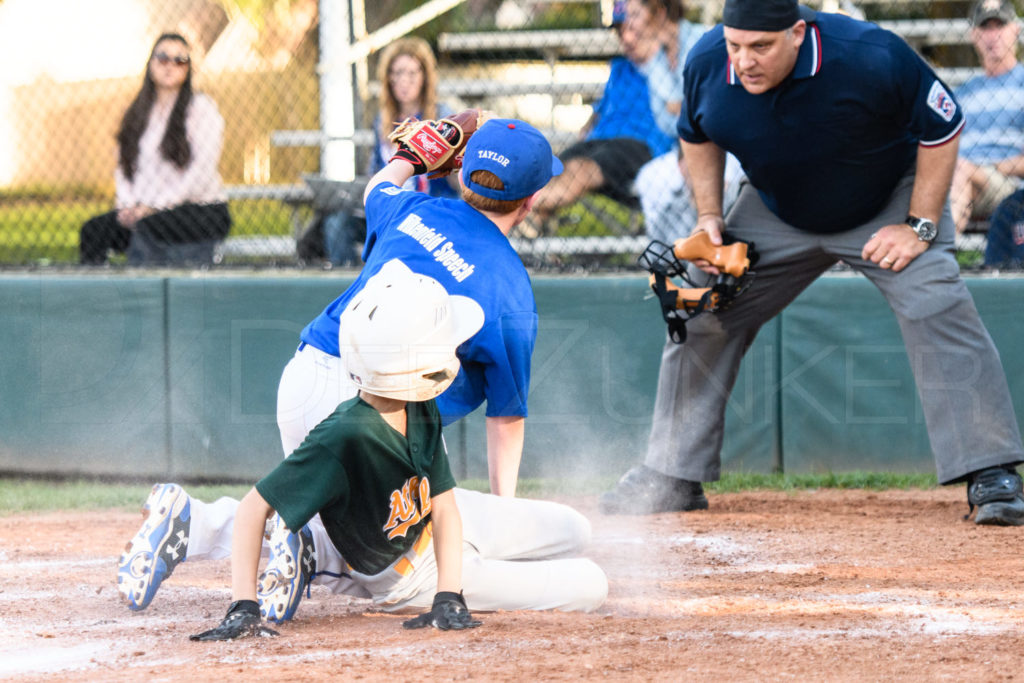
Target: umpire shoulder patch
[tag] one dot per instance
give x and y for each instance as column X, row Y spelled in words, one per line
column 940, row 102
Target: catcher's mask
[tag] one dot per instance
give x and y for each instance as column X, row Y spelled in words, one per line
column 733, row 259
column 398, row 335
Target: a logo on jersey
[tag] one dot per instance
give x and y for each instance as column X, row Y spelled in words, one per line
column 429, row 143
column 940, row 102
column 1018, row 234
column 392, row 190
column 409, row 505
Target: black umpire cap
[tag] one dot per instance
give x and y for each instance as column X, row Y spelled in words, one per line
column 764, row 15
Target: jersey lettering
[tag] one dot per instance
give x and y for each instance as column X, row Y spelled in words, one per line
column 414, row 227
column 456, row 265
column 431, row 240
column 409, row 505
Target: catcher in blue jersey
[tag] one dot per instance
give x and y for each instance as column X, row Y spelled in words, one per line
column 463, row 246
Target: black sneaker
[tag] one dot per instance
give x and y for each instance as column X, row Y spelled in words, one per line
column 642, row 491
column 998, row 495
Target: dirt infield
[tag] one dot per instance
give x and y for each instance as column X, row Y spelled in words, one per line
column 824, row 585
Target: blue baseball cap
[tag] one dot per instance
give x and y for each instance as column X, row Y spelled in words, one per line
column 513, row 150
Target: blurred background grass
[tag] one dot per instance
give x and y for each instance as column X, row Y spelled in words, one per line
column 19, row 495
column 46, row 231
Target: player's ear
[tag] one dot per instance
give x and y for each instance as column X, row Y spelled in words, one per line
column 526, row 207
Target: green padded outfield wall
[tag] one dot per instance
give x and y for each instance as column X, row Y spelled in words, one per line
column 83, row 385
column 848, row 396
column 176, row 377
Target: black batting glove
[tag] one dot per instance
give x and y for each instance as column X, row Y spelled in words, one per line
column 406, row 154
column 448, row 613
column 241, row 621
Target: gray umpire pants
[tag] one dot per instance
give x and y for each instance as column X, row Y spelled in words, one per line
column 936, row 315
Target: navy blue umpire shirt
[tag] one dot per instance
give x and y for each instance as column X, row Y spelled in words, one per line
column 827, row 146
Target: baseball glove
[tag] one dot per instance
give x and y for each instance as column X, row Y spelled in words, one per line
column 449, row 612
column 435, row 147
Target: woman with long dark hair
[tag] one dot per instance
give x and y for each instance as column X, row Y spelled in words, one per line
column 170, row 206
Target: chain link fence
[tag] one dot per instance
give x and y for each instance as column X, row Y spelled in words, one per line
column 296, row 85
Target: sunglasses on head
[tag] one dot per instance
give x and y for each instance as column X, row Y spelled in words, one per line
column 164, row 58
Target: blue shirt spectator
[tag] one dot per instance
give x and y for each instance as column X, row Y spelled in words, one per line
column 991, row 163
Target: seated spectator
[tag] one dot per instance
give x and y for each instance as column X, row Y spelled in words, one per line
column 620, row 137
column 662, row 21
column 663, row 184
column 1005, row 245
column 171, row 208
column 990, row 164
column 407, row 73
column 666, row 195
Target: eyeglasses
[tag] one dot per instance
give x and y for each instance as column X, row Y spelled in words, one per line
column 165, row 59
column 397, row 74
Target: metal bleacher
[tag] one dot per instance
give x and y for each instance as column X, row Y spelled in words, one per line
column 479, row 68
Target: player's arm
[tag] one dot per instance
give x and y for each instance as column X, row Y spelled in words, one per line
column 246, row 544
column 1013, row 166
column 505, row 437
column 895, row 246
column 243, row 617
column 449, row 609
column 396, row 171
column 447, row 524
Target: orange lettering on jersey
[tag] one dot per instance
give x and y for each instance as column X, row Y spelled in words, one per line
column 424, row 497
column 408, row 506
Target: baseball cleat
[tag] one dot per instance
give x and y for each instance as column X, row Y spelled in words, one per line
column 643, row 491
column 158, row 547
column 999, row 496
column 290, row 568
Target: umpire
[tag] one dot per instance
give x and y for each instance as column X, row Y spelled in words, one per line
column 849, row 141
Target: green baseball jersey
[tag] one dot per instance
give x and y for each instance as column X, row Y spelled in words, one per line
column 371, row 485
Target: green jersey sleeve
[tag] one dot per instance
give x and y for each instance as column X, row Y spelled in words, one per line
column 307, row 481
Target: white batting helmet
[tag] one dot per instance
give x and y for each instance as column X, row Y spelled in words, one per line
column 398, row 335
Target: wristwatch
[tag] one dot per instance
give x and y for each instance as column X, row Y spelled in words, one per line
column 924, row 228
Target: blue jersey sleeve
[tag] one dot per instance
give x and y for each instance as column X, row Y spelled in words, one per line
column 508, row 378
column 495, row 369
column 384, row 203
